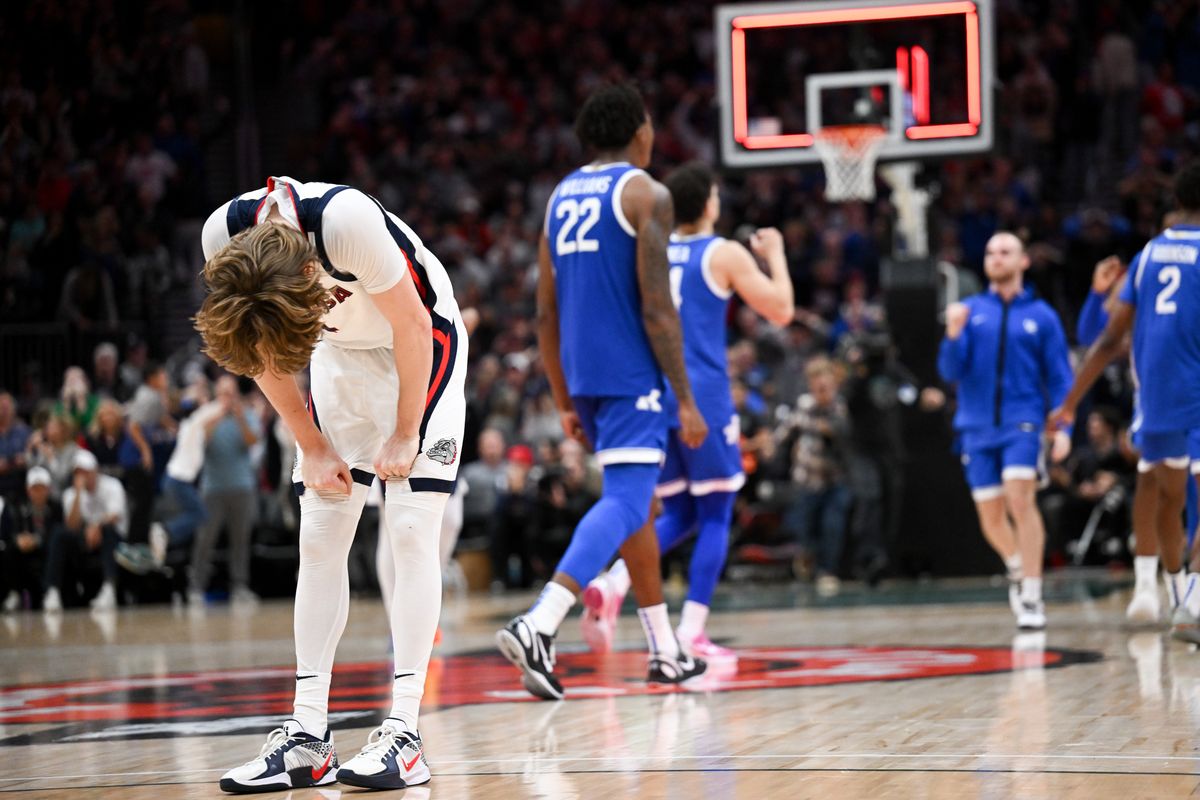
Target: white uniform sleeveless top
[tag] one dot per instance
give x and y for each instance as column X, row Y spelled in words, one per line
column 364, row 249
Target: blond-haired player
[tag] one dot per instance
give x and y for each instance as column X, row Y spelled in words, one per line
column 320, row 276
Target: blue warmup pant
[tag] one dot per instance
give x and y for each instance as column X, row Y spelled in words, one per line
column 710, row 515
column 623, row 507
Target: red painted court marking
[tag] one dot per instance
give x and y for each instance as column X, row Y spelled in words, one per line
column 482, row 678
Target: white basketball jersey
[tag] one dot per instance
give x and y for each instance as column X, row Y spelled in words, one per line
column 364, row 248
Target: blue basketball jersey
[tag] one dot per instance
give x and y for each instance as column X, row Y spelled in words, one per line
column 1165, row 289
column 603, row 343
column 702, row 314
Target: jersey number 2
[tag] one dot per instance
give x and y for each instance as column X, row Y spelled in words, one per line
column 1169, row 277
column 586, row 213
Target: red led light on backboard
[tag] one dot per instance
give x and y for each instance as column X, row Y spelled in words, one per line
column 917, row 73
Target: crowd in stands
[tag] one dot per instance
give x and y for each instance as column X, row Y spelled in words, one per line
column 458, row 116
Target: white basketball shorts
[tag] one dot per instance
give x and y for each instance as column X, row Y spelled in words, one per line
column 352, row 400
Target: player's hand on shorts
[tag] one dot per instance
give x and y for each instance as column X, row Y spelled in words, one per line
column 956, row 319
column 766, row 243
column 1061, row 448
column 1106, row 273
column 396, row 458
column 693, row 430
column 323, row 471
column 572, row 427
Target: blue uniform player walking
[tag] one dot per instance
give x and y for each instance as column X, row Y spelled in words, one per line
column 1158, row 304
column 1152, row 535
column 1008, row 353
column 698, row 486
column 607, row 332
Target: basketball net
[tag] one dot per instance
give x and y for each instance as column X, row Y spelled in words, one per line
column 849, row 153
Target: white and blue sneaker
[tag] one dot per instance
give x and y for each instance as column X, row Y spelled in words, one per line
column 292, row 758
column 392, row 759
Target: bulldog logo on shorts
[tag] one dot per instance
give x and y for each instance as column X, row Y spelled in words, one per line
column 444, row 452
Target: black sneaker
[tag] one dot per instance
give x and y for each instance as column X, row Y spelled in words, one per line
column 533, row 654
column 665, row 669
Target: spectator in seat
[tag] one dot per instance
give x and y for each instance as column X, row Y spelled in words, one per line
column 105, row 379
column 817, row 435
column 96, row 519
column 14, row 441
column 25, row 532
column 110, row 442
column 149, row 426
column 515, row 512
column 1079, row 484
column 76, row 401
column 487, row 480
column 180, row 489
column 54, row 448
column 229, row 487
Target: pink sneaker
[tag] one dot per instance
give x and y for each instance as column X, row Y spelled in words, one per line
column 601, row 605
column 700, row 646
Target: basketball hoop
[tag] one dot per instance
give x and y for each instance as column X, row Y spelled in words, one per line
column 849, row 153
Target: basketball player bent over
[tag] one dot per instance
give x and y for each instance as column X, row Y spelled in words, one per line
column 320, row 276
column 698, row 487
column 607, row 332
column 1008, row 353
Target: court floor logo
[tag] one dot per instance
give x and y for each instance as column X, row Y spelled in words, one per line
column 247, row 700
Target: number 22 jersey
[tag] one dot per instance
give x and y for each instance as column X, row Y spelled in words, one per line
column 1165, row 289
column 603, row 344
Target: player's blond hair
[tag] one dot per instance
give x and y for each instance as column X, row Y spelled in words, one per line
column 265, row 302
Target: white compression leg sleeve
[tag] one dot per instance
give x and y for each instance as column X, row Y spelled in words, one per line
column 385, row 568
column 322, row 598
column 452, row 522
column 414, row 522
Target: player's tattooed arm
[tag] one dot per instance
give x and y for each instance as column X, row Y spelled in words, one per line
column 653, row 218
column 547, row 327
column 548, row 344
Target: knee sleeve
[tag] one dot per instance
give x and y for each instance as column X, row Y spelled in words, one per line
column 414, row 521
column 621, row 510
column 322, row 585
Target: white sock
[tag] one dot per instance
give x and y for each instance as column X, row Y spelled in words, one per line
column 322, row 598
column 1145, row 573
column 414, row 521
column 692, row 620
column 399, row 725
column 312, row 702
column 1191, row 594
column 551, row 608
column 1031, row 590
column 1176, row 586
column 1013, row 565
column 618, row 577
column 659, row 636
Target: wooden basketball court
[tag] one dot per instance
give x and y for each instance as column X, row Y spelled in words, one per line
column 905, row 692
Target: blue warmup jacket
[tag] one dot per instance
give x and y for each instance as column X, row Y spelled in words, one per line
column 1005, row 380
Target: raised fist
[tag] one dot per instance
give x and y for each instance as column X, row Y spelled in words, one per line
column 957, row 315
